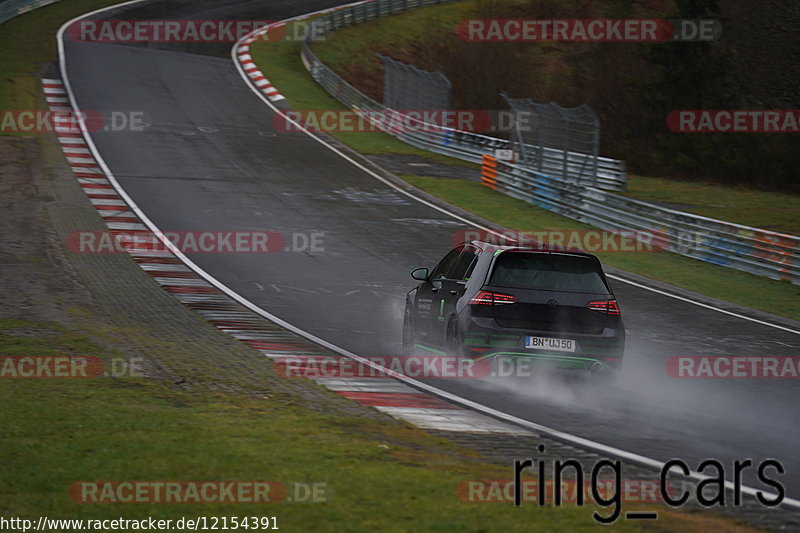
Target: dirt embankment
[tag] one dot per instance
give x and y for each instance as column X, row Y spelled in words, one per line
column 632, row 87
column 106, row 300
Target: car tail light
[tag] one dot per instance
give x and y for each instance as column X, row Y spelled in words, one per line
column 609, row 307
column 492, row 298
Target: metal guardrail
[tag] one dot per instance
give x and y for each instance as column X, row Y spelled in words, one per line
column 758, row 251
column 611, row 173
column 13, row 8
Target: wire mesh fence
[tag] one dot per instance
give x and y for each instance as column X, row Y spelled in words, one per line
column 555, row 139
column 406, row 87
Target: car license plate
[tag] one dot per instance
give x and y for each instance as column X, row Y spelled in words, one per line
column 549, row 343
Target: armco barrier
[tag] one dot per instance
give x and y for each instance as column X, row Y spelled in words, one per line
column 611, row 173
column 13, row 8
column 758, row 251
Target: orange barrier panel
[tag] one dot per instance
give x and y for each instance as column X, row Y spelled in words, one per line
column 489, row 171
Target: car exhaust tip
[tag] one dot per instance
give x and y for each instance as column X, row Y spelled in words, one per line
column 598, row 367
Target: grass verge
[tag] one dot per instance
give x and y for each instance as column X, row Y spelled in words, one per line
column 280, row 61
column 769, row 210
column 28, row 41
column 375, row 476
column 372, row 475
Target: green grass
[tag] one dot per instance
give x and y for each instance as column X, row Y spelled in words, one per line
column 377, row 476
column 280, row 61
column 26, row 43
column 401, row 33
column 769, row 210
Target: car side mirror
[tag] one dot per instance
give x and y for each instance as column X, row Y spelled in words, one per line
column 420, row 274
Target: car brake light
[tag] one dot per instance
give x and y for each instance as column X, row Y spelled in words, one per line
column 492, row 298
column 609, row 307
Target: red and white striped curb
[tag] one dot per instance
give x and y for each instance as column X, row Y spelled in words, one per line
column 385, row 394
column 257, row 77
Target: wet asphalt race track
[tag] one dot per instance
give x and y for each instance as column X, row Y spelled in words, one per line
column 210, row 159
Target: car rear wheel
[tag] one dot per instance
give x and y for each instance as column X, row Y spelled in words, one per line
column 409, row 337
column 455, row 342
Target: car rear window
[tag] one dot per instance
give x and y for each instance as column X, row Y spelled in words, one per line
column 548, row 272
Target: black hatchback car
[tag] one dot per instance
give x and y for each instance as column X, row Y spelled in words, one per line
column 482, row 300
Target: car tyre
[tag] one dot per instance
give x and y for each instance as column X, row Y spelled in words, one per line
column 409, row 338
column 455, row 341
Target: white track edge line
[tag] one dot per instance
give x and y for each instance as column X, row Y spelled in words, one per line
column 701, row 304
column 464, row 401
column 415, row 383
column 234, row 55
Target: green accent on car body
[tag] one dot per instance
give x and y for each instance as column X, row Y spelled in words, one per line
column 494, row 340
column 556, row 359
column 430, row 349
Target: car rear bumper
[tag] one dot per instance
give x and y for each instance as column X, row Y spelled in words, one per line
column 485, row 338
